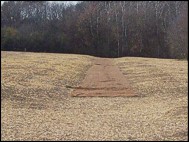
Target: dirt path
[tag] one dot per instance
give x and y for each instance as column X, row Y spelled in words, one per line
column 103, row 79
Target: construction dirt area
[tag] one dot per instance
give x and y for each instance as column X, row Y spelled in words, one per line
column 104, row 79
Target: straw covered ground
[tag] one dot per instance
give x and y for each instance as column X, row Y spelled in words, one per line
column 163, row 87
column 35, row 102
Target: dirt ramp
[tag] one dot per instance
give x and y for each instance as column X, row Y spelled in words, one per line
column 103, row 79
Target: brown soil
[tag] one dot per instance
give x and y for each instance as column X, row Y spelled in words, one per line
column 103, row 79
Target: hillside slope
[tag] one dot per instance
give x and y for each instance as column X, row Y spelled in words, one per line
column 36, row 104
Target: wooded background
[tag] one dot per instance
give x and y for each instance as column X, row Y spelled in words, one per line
column 99, row 28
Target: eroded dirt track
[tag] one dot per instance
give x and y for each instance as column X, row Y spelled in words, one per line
column 103, row 79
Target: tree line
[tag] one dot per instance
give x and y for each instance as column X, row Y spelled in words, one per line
column 100, row 28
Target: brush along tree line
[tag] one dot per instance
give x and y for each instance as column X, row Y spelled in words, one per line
column 99, row 28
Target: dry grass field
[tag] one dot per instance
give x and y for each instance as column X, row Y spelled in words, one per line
column 163, row 86
column 35, row 102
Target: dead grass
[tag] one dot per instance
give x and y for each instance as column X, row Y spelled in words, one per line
column 40, row 75
column 156, row 76
column 164, row 83
column 35, row 104
column 35, row 81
